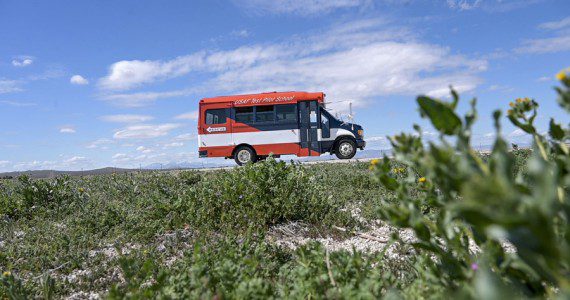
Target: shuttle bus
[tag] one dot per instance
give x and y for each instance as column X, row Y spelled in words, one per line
column 248, row 128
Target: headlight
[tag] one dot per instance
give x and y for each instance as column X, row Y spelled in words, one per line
column 361, row 132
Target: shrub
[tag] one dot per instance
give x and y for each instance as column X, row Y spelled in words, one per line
column 259, row 195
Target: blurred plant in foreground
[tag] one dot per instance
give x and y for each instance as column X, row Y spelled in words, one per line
column 485, row 203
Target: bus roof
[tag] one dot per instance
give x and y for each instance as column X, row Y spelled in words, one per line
column 266, row 98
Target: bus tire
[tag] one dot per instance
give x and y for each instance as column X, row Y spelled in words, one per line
column 345, row 148
column 244, row 155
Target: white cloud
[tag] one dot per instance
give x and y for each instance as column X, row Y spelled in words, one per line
column 173, row 145
column 463, row 4
column 142, row 99
column 517, row 133
column 75, row 160
column 37, row 165
column 375, row 138
column 17, row 103
column 493, row 6
column 364, row 71
column 300, row 7
column 144, row 149
column 145, row 131
column 128, row 74
column 9, row 86
column 22, row 61
column 546, row 45
column 359, row 61
column 193, row 115
column 558, row 43
column 126, row 118
column 67, row 129
column 545, row 78
column 377, row 143
column 124, row 75
column 555, row 25
column 428, row 133
column 126, row 159
column 4, row 163
column 65, row 164
column 51, row 73
column 240, row 33
column 78, row 79
column 185, row 137
column 136, row 159
column 119, row 155
column 100, row 144
column 501, row 88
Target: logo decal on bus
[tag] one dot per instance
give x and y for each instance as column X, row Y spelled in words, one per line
column 215, row 129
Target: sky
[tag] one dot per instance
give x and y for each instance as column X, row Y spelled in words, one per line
column 90, row 84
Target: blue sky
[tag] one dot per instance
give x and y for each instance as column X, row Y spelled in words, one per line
column 88, row 84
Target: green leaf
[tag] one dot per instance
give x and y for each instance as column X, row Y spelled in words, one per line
column 556, row 131
column 440, row 114
column 389, row 182
column 455, row 96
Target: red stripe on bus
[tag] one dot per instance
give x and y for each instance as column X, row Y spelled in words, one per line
column 263, row 149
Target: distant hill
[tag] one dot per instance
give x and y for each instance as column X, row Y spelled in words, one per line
column 203, row 164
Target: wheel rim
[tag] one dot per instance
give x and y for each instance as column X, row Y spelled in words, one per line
column 244, row 156
column 346, row 149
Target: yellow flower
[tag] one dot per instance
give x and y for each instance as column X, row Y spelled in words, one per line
column 6, row 273
column 374, row 161
column 81, row 190
column 561, row 75
column 510, row 111
column 371, row 168
column 422, row 179
column 519, row 100
column 511, row 104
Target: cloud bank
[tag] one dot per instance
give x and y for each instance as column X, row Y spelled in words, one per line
column 359, row 61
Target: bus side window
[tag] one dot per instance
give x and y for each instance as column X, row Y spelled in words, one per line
column 216, row 116
column 264, row 113
column 244, row 114
column 286, row 113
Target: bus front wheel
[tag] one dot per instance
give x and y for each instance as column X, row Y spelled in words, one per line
column 245, row 154
column 345, row 149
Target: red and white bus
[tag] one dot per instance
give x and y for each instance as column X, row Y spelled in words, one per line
column 251, row 127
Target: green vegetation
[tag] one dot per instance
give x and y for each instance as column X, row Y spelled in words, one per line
column 485, row 226
column 91, row 233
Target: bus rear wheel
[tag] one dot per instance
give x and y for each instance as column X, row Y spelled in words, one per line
column 345, row 149
column 244, row 155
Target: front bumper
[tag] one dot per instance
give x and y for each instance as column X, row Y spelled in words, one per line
column 360, row 144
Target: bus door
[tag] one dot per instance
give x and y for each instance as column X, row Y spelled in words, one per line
column 308, row 128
